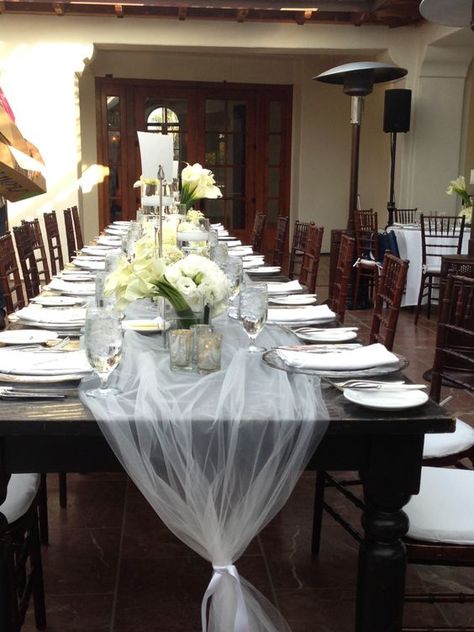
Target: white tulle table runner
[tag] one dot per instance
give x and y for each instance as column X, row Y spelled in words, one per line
column 216, row 456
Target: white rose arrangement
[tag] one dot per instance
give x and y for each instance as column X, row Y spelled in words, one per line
column 458, row 187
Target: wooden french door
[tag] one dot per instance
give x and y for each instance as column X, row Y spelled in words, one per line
column 241, row 132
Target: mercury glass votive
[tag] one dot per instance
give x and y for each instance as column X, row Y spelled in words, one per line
column 209, row 347
column 180, row 343
column 198, row 330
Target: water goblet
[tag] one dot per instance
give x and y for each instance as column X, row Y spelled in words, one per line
column 103, row 337
column 253, row 311
column 233, row 269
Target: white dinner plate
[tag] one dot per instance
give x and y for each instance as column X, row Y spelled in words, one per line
column 327, row 335
column 76, row 277
column 57, row 301
column 89, row 264
column 386, row 400
column 264, row 270
column 121, row 222
column 296, row 299
column 27, row 336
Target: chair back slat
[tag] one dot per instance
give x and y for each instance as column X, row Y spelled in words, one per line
column 342, row 276
column 10, row 280
column 311, row 256
column 280, row 240
column 388, row 299
column 26, row 255
column 298, row 246
column 77, row 228
column 440, row 235
column 38, row 249
column 54, row 242
column 366, row 230
column 69, row 229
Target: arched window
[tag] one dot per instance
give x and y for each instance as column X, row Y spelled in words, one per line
column 165, row 121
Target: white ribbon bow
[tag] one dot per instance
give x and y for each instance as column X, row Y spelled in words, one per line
column 241, row 621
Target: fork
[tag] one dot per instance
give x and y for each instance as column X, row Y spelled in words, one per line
column 377, row 386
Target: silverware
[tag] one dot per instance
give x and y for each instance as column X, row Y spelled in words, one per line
column 8, row 392
column 322, row 348
column 377, row 386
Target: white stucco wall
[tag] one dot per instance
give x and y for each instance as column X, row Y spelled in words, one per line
column 41, row 57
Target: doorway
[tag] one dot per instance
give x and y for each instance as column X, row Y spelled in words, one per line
column 242, row 132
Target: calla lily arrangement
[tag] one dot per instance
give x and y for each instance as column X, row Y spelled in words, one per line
column 197, row 183
column 458, row 187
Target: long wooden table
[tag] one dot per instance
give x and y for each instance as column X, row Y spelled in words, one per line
column 385, row 448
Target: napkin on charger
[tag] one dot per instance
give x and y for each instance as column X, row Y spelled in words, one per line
column 310, row 312
column 51, row 315
column 369, row 357
column 284, row 286
column 33, row 363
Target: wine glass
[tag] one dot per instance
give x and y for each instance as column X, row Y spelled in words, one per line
column 253, row 311
column 233, row 269
column 103, row 336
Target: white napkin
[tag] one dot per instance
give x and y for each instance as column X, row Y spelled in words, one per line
column 108, row 240
column 284, row 287
column 234, row 243
column 222, row 232
column 311, row 312
column 83, row 289
column 240, row 251
column 253, row 263
column 43, row 363
column 89, row 264
column 50, row 315
column 375, row 355
column 100, row 251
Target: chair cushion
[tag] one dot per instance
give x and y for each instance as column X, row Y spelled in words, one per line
column 443, row 511
column 22, row 489
column 439, row 445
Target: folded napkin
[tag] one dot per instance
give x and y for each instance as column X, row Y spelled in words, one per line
column 375, row 355
column 311, row 312
column 240, row 251
column 89, row 264
column 108, row 240
column 253, row 263
column 216, row 225
column 43, row 363
column 283, row 287
column 100, row 251
column 50, row 315
column 234, row 243
column 83, row 289
column 223, row 232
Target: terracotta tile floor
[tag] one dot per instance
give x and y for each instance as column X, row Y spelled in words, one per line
column 112, row 566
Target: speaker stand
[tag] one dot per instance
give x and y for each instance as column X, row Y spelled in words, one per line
column 393, row 155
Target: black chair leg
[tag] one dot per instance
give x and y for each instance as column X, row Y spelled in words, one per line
column 318, row 512
column 37, row 579
column 62, row 490
column 43, row 511
column 420, row 298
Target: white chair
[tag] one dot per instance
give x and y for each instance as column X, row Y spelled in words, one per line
column 20, row 540
column 458, row 443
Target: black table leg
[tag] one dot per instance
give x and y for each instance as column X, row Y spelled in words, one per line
column 392, row 477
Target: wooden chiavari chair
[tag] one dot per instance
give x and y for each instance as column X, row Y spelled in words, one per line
column 38, row 249
column 342, row 277
column 405, row 215
column 280, row 240
column 440, row 235
column 310, row 264
column 26, row 255
column 298, row 246
column 257, row 231
column 366, row 247
column 69, row 229
column 388, row 300
column 54, row 242
column 10, row 281
column 77, row 228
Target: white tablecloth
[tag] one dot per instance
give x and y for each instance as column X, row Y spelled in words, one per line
column 409, row 246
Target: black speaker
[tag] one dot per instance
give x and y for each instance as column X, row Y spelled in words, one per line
column 396, row 116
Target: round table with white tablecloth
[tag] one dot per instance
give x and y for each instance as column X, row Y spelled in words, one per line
column 409, row 246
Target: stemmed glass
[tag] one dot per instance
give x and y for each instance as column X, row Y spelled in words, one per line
column 233, row 270
column 253, row 311
column 103, row 336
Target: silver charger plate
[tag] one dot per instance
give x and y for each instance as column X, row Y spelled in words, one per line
column 275, row 361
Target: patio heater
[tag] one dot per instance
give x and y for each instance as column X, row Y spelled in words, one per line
column 358, row 80
column 451, row 13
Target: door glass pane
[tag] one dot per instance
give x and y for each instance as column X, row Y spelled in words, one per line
column 215, row 148
column 272, row 212
column 168, row 116
column 274, row 143
column 114, row 147
column 273, row 182
column 215, row 115
column 275, row 116
column 113, row 113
